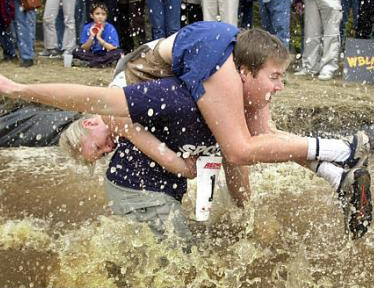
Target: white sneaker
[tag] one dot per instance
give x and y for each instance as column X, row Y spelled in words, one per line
column 51, row 53
column 325, row 76
column 359, row 144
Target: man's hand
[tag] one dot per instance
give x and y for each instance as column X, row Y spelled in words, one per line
column 237, row 180
column 241, row 197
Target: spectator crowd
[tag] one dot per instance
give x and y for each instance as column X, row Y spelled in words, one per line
column 97, row 33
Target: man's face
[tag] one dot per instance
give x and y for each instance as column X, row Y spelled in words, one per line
column 99, row 16
column 99, row 140
column 259, row 90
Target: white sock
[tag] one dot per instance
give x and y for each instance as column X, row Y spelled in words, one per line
column 329, row 150
column 329, row 172
column 312, row 149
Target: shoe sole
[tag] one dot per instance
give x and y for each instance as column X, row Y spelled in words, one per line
column 358, row 211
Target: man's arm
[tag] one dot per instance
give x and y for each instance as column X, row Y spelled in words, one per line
column 237, row 179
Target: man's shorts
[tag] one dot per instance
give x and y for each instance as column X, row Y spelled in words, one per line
column 157, row 209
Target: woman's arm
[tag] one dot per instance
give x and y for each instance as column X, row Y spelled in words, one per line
column 155, row 149
column 74, row 97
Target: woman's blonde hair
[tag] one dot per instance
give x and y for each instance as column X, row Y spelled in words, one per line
column 71, row 140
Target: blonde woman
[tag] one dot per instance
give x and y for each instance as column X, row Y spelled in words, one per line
column 93, row 136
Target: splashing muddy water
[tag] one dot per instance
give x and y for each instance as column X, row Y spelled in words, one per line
column 56, row 231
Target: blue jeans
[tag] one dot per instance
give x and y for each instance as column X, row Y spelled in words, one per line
column 246, row 13
column 25, row 25
column 275, row 18
column 165, row 16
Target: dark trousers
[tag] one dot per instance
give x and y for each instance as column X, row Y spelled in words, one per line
column 7, row 42
column 365, row 19
column 191, row 13
column 131, row 24
column 245, row 13
column 102, row 59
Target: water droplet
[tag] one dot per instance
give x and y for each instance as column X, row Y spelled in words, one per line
column 186, row 154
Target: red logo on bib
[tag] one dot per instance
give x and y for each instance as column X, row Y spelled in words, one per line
column 212, row 165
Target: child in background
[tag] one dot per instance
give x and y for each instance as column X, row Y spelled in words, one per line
column 99, row 40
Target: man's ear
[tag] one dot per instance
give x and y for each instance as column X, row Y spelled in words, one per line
column 242, row 77
column 89, row 123
column 243, row 71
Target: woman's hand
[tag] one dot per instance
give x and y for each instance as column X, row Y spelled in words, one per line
column 191, row 167
column 8, row 87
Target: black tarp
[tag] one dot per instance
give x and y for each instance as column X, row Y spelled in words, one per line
column 33, row 125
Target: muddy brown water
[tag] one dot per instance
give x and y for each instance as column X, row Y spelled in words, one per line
column 56, row 229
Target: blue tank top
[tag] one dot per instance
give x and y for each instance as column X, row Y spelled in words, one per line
column 199, row 50
column 165, row 108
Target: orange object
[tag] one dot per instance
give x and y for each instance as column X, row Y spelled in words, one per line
column 97, row 28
